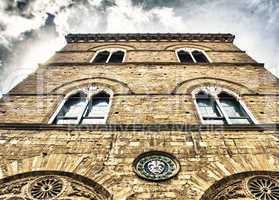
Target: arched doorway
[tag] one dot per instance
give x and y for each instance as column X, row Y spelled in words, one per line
column 50, row 185
column 252, row 185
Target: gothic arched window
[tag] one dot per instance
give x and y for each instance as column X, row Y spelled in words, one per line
column 184, row 57
column 84, row 108
column 233, row 109
column 218, row 107
column 209, row 109
column 116, row 57
column 70, row 112
column 101, row 57
column 109, row 56
column 199, row 57
column 97, row 109
column 189, row 56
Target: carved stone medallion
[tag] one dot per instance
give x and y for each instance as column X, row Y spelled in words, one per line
column 51, row 185
column 264, row 188
column 257, row 185
column 156, row 166
column 47, row 187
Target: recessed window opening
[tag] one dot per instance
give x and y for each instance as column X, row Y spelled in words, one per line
column 97, row 109
column 191, row 56
column 199, row 57
column 184, row 57
column 109, row 56
column 83, row 109
column 209, row 110
column 221, row 108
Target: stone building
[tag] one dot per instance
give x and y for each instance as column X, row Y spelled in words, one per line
column 142, row 116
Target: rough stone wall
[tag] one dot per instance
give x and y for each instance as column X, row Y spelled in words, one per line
column 107, row 157
column 150, row 93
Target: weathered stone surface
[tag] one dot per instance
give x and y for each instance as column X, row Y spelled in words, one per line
column 144, row 93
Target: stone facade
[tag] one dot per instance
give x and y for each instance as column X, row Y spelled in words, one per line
column 152, row 111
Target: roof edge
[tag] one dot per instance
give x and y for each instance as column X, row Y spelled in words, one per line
column 150, row 37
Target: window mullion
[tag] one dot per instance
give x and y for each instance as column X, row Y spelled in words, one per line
column 190, row 52
column 223, row 111
column 110, row 54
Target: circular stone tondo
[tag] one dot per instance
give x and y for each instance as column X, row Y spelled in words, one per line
column 264, row 188
column 47, row 187
column 156, row 166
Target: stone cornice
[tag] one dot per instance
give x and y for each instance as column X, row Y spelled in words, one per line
column 150, row 37
column 222, row 64
column 139, row 127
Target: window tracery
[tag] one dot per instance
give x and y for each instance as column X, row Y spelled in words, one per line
column 88, row 105
column 217, row 105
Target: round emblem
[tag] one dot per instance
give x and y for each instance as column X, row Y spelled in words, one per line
column 46, row 188
column 264, row 188
column 156, row 166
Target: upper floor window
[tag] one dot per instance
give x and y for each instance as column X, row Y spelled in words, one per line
column 109, row 56
column 191, row 56
column 218, row 107
column 84, row 107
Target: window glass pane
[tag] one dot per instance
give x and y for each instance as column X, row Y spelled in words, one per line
column 72, row 109
column 117, row 57
column 233, row 109
column 199, row 57
column 97, row 109
column 208, row 108
column 184, row 57
column 101, row 57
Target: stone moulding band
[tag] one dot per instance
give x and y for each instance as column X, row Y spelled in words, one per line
column 140, row 127
column 217, row 64
column 73, row 38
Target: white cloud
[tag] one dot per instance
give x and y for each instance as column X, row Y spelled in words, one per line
column 254, row 22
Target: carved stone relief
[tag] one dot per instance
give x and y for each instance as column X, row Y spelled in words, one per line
column 50, row 187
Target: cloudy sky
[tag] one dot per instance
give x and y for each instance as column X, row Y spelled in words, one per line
column 32, row 30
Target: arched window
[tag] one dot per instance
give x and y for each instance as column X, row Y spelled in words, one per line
column 199, row 57
column 101, row 57
column 70, row 112
column 189, row 56
column 109, row 56
column 116, row 57
column 84, row 108
column 184, row 57
column 97, row 109
column 218, row 107
column 209, row 110
column 232, row 108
